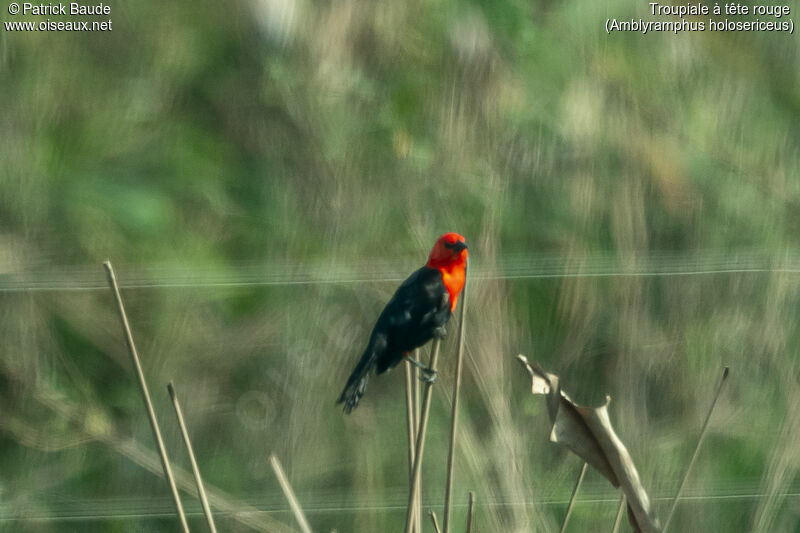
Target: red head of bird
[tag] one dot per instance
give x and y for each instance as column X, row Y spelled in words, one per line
column 449, row 257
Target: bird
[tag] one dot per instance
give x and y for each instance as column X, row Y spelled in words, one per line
column 416, row 313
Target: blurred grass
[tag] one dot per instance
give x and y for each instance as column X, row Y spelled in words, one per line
column 294, row 136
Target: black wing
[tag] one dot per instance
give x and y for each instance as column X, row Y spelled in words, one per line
column 420, row 306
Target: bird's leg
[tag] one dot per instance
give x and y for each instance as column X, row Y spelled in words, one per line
column 440, row 332
column 418, row 364
column 428, row 374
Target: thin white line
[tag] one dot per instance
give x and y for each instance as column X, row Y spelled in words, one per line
column 393, row 507
column 478, row 277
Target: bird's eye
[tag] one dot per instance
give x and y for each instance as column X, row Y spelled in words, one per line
column 457, row 246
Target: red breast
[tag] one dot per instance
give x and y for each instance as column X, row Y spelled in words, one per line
column 449, row 257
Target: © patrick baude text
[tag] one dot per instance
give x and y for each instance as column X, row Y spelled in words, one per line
column 744, row 17
column 98, row 16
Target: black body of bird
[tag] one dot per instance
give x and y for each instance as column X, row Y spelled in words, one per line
column 416, row 313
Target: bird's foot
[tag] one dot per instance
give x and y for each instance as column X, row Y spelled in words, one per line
column 440, row 332
column 428, row 375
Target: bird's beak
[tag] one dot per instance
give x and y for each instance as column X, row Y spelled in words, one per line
column 459, row 247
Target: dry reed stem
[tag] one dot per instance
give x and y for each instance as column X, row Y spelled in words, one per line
column 410, row 421
column 410, row 418
column 575, row 490
column 618, row 519
column 416, row 385
column 420, row 447
column 149, row 460
column 470, row 510
column 700, row 440
column 201, row 490
column 162, row 450
column 435, row 522
column 289, row 493
column 448, row 487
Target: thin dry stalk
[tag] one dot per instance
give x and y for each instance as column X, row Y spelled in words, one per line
column 696, row 449
column 162, row 450
column 416, row 384
column 435, row 522
column 420, row 447
column 289, row 493
column 201, row 490
column 448, row 487
column 618, row 519
column 575, row 490
column 411, row 417
column 143, row 456
column 470, row 510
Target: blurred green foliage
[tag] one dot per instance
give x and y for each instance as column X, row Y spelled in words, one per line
column 210, row 147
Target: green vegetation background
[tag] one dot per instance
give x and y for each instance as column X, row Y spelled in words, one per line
column 209, row 147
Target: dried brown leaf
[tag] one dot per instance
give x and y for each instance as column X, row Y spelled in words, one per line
column 588, row 433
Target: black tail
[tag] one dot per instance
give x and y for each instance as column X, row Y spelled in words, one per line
column 357, row 382
column 354, row 390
